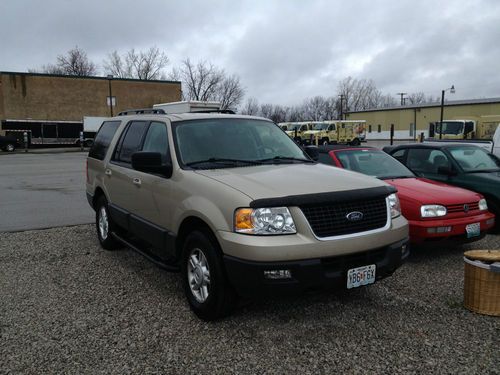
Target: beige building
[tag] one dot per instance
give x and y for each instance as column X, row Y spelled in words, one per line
column 51, row 108
column 411, row 120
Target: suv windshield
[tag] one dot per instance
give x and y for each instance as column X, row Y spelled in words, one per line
column 223, row 143
column 452, row 127
column 373, row 163
column 474, row 159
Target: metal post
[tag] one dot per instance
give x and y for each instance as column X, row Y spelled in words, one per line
column 25, row 139
column 81, row 141
column 422, row 137
column 392, row 134
column 441, row 121
column 110, row 77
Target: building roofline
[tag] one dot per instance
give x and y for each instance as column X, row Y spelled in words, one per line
column 433, row 104
column 87, row 77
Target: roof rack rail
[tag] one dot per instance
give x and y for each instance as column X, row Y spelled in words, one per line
column 142, row 111
column 227, row 111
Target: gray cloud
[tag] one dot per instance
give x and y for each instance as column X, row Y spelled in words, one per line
column 282, row 51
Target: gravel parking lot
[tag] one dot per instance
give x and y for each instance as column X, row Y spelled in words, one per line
column 70, row 307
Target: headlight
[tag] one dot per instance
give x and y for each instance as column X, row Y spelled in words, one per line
column 432, row 210
column 275, row 220
column 394, row 204
column 483, row 206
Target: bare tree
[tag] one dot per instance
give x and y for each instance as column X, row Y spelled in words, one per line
column 359, row 94
column 75, row 63
column 421, row 98
column 251, row 107
column 204, row 81
column 230, row 92
column 146, row 65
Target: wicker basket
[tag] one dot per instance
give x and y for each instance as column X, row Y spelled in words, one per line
column 482, row 281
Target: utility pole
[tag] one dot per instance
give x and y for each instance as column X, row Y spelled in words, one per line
column 342, row 96
column 402, row 94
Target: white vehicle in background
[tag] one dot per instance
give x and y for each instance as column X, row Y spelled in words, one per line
column 492, row 146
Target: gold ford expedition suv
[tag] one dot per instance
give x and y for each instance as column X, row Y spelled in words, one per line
column 238, row 208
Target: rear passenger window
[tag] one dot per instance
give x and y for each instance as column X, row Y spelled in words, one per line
column 103, row 139
column 156, row 140
column 132, row 141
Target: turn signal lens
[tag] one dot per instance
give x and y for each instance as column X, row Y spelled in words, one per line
column 243, row 219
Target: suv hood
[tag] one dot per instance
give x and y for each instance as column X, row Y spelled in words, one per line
column 273, row 181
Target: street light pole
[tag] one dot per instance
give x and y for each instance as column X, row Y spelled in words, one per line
column 110, row 77
column 452, row 91
column 341, row 106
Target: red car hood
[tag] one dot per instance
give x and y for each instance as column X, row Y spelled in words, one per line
column 432, row 192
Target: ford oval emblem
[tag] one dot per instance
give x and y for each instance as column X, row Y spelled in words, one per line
column 354, row 216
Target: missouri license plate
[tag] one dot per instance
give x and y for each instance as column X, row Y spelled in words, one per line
column 360, row 276
column 473, row 230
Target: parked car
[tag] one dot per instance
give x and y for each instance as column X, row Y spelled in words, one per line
column 234, row 204
column 435, row 211
column 467, row 166
column 8, row 143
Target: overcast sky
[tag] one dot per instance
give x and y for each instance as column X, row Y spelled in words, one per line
column 283, row 51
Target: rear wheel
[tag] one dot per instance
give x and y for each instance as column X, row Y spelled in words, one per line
column 105, row 225
column 355, row 142
column 205, row 284
column 10, row 147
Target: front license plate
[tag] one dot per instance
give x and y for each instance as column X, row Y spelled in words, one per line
column 473, row 230
column 360, row 276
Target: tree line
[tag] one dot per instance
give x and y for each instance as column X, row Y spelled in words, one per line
column 204, row 81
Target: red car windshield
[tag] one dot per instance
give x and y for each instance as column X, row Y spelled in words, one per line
column 373, row 163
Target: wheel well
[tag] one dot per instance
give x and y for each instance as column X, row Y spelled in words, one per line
column 97, row 194
column 189, row 225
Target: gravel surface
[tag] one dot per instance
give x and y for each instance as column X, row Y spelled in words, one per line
column 69, row 307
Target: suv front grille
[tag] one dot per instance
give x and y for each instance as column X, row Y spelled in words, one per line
column 330, row 219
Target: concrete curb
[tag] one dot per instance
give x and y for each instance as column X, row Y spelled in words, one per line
column 44, row 151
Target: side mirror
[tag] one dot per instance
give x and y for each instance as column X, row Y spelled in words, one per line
column 150, row 162
column 313, row 152
column 447, row 171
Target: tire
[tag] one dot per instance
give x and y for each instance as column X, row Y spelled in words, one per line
column 355, row 142
column 88, row 143
column 204, row 280
column 10, row 147
column 105, row 226
column 325, row 142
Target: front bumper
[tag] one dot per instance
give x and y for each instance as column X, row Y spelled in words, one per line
column 419, row 229
column 247, row 277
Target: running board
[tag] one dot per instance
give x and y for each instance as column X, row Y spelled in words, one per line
column 148, row 256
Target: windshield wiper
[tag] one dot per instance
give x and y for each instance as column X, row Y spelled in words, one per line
column 484, row 170
column 285, row 159
column 394, row 177
column 223, row 161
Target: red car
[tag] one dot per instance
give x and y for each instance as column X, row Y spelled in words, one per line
column 434, row 210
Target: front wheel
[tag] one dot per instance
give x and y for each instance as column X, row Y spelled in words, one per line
column 10, row 147
column 205, row 284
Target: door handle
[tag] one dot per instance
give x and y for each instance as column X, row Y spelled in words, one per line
column 137, row 181
column 108, row 172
